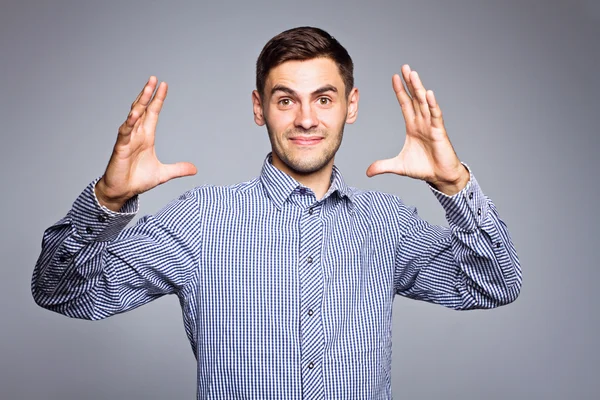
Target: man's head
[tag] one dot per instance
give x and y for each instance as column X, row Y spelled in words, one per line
column 304, row 95
column 301, row 44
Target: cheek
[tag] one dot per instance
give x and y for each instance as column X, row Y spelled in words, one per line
column 279, row 120
column 333, row 118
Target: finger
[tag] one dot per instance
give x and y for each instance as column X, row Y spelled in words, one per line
column 436, row 112
column 404, row 99
column 406, row 76
column 141, row 102
column 142, row 91
column 153, row 109
column 150, row 84
column 390, row 165
column 420, row 94
column 406, row 72
column 177, row 170
column 125, row 131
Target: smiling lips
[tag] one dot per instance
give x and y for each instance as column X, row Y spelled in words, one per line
column 306, row 140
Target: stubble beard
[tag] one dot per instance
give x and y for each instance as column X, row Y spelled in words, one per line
column 305, row 166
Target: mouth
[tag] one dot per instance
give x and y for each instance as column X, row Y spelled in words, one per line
column 306, row 140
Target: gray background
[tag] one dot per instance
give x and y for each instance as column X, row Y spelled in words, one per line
column 517, row 81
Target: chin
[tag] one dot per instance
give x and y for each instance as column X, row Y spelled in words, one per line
column 305, row 166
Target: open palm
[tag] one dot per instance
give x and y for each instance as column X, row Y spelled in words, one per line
column 134, row 167
column 427, row 153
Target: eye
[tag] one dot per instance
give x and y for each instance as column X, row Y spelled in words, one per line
column 285, row 102
column 324, row 101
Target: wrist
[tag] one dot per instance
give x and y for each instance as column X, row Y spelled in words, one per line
column 113, row 203
column 452, row 186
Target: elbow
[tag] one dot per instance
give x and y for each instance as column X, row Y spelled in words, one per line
column 505, row 291
column 491, row 298
column 77, row 307
column 512, row 287
column 40, row 296
column 511, row 293
column 44, row 298
column 503, row 297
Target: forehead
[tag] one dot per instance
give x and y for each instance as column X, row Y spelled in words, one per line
column 307, row 75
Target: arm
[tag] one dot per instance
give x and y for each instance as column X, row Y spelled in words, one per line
column 88, row 268
column 471, row 264
column 91, row 268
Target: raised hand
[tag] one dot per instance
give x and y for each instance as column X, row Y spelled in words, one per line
column 133, row 167
column 427, row 153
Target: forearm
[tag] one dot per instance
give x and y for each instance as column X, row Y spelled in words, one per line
column 488, row 260
column 471, row 264
column 482, row 249
column 91, row 267
column 71, row 269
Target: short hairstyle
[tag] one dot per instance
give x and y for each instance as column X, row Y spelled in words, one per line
column 300, row 44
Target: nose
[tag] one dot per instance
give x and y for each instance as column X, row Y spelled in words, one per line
column 306, row 117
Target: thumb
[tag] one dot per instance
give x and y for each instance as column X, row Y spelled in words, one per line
column 390, row 165
column 178, row 170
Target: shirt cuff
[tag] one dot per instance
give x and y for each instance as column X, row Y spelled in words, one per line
column 96, row 223
column 467, row 209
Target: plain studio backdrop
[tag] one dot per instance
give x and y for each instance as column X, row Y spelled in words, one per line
column 517, row 82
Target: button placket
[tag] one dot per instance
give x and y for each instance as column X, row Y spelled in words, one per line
column 314, row 209
column 311, row 292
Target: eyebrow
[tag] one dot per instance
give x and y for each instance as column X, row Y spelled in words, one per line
column 291, row 92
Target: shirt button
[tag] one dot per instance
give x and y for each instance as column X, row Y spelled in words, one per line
column 302, row 191
column 471, row 196
column 498, row 244
column 101, row 218
column 89, row 230
column 310, row 313
column 62, row 259
column 309, row 259
column 479, row 211
column 311, row 365
column 310, row 211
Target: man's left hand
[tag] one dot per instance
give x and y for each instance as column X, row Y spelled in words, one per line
column 427, row 153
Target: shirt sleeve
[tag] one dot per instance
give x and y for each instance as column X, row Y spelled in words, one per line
column 91, row 266
column 470, row 264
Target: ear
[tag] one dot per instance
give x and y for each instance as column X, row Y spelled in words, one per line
column 352, row 106
column 257, row 107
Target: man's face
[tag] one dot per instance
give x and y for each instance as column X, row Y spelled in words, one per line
column 305, row 108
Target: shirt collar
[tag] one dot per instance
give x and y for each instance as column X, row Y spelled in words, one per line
column 280, row 186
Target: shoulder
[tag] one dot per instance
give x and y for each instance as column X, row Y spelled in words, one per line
column 219, row 194
column 202, row 199
column 379, row 205
column 374, row 199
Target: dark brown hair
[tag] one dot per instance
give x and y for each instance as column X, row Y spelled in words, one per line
column 300, row 44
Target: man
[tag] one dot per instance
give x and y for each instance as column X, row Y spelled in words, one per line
column 286, row 281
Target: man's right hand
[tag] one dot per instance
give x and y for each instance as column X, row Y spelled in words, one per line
column 133, row 167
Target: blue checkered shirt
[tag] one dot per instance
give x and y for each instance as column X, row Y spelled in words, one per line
column 283, row 296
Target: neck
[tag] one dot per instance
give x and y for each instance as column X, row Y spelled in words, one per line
column 318, row 181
